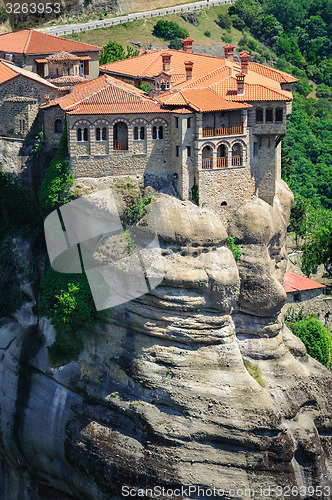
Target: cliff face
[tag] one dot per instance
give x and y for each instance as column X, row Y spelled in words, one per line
column 160, row 395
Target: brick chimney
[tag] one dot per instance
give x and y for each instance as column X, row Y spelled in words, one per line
column 240, row 83
column 166, row 57
column 187, row 44
column 189, row 69
column 229, row 51
column 244, row 56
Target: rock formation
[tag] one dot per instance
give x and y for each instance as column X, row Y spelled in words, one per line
column 160, row 395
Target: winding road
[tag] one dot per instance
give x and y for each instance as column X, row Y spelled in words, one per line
column 68, row 29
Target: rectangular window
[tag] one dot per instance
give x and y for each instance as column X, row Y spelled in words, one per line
column 177, row 150
column 176, row 122
column 86, row 67
column 259, row 116
column 255, row 148
column 188, row 151
column 269, row 142
column 22, row 125
column 269, row 116
column 279, row 115
column 188, row 122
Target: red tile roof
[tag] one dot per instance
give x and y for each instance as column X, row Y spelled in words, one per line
column 62, row 56
column 200, row 100
column 29, row 41
column 106, row 95
column 217, row 74
column 9, row 71
column 294, row 282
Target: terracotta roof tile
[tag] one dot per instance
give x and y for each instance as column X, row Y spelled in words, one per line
column 218, row 74
column 274, row 74
column 252, row 92
column 106, row 95
column 200, row 100
column 294, row 282
column 9, row 71
column 29, row 41
column 62, row 56
column 67, row 80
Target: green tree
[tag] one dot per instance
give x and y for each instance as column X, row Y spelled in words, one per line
column 114, row 51
column 55, row 187
column 315, row 337
column 168, row 30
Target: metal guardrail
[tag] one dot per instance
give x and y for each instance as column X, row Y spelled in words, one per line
column 106, row 23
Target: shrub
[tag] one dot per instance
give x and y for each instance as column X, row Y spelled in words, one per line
column 56, row 185
column 224, row 21
column 227, row 38
column 137, row 210
column 3, row 15
column 315, row 337
column 168, row 30
column 175, row 44
column 237, row 22
column 254, row 370
column 207, row 33
column 235, row 249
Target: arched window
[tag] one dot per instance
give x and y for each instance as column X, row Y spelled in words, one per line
column 161, row 132
column 58, row 126
column 237, row 155
column 104, row 134
column 120, row 136
column 136, row 133
column 154, row 133
column 142, row 133
column 85, row 135
column 207, row 154
column 98, row 134
column 158, row 132
column 222, row 156
column 79, row 135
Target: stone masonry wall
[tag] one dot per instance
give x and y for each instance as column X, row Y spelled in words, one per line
column 99, row 158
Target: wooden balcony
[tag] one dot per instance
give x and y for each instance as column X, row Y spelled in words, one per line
column 206, row 163
column 216, row 132
column 120, row 145
column 221, row 161
column 236, row 161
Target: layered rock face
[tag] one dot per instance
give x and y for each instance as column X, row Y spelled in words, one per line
column 161, row 396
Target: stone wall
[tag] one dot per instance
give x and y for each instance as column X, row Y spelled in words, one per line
column 100, row 158
column 50, row 115
column 19, row 100
column 320, row 306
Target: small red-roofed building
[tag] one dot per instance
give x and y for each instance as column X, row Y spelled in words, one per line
column 30, row 49
column 300, row 289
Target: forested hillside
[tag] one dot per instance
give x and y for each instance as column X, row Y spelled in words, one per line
column 296, row 36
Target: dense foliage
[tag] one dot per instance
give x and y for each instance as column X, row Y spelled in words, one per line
column 114, row 51
column 168, row 30
column 56, row 186
column 315, row 337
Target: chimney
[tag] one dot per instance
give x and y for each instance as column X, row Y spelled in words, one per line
column 244, row 56
column 166, row 61
column 240, row 83
column 189, row 69
column 229, row 51
column 187, row 44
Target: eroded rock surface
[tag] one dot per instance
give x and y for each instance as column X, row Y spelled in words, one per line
column 160, row 395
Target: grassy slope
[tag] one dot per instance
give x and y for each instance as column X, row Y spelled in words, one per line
column 141, row 30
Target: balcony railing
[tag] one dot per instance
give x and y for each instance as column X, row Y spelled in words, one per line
column 236, row 161
column 206, row 162
column 213, row 132
column 221, row 162
column 120, row 145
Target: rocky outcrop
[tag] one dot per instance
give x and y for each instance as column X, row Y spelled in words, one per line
column 160, row 396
